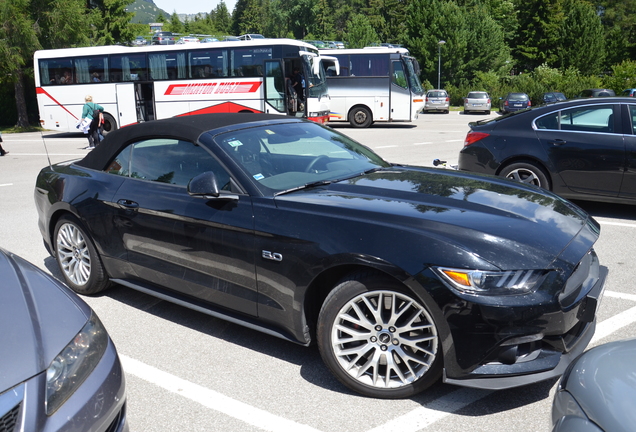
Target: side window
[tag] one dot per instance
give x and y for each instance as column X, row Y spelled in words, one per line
column 598, row 118
column 399, row 77
column 550, row 121
column 167, row 161
column 632, row 117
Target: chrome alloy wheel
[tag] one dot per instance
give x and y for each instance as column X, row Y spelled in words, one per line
column 384, row 339
column 73, row 254
column 524, row 175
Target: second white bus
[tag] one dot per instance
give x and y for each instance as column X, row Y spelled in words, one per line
column 136, row 84
column 375, row 84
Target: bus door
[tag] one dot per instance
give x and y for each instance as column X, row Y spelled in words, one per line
column 145, row 101
column 278, row 98
column 126, row 109
column 400, row 97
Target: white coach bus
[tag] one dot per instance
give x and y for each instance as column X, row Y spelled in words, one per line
column 136, row 84
column 375, row 84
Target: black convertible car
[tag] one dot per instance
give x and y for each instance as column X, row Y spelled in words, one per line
column 400, row 274
column 579, row 149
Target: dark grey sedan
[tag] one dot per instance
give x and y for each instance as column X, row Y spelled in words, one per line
column 598, row 391
column 579, row 149
column 60, row 369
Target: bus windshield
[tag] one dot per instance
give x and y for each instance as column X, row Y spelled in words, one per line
column 414, row 81
column 317, row 83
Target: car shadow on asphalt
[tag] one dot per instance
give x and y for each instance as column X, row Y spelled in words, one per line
column 608, row 210
column 377, row 125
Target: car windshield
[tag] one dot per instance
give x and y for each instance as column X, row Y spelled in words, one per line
column 437, row 94
column 286, row 157
column 518, row 97
column 477, row 96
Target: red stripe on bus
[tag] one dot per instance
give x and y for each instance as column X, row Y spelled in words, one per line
column 212, row 88
column 40, row 90
column 225, row 107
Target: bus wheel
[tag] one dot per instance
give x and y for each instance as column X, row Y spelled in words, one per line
column 109, row 124
column 360, row 117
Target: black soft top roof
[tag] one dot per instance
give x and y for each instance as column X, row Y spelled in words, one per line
column 185, row 127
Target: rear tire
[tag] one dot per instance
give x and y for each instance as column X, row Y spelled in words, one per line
column 526, row 172
column 109, row 124
column 360, row 117
column 77, row 257
column 379, row 339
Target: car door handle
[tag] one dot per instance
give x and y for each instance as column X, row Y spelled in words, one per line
column 558, row 142
column 127, row 204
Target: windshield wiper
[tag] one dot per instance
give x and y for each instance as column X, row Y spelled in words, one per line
column 306, row 186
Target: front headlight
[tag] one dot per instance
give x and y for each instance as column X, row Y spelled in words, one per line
column 77, row 360
column 493, row 282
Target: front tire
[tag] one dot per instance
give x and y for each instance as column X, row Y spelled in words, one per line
column 526, row 172
column 378, row 339
column 360, row 117
column 77, row 257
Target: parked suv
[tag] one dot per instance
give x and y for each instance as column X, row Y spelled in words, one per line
column 629, row 93
column 437, row 100
column 477, row 101
column 551, row 97
column 163, row 38
column 597, row 93
column 514, row 102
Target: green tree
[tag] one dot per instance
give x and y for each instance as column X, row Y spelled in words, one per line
column 623, row 76
column 360, row 33
column 619, row 25
column 18, row 42
column 581, row 43
column 221, row 18
column 111, row 22
column 249, row 16
column 176, row 26
column 535, row 42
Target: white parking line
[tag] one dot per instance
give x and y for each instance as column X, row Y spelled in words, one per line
column 212, row 399
column 605, row 222
column 6, row 184
column 435, row 411
column 412, row 421
column 613, row 324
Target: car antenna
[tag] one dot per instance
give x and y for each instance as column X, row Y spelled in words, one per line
column 46, row 150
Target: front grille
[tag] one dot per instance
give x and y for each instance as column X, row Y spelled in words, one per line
column 9, row 420
column 117, row 424
column 10, row 404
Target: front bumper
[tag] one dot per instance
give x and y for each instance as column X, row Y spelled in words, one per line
column 99, row 404
column 545, row 357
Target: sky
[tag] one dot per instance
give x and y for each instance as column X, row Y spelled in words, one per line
column 192, row 6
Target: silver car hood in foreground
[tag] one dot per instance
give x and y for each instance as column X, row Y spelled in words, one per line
column 38, row 318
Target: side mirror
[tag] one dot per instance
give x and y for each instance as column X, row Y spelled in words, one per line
column 205, row 186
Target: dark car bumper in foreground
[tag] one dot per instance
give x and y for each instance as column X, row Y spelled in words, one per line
column 543, row 348
column 99, row 404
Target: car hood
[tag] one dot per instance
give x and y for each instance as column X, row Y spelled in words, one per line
column 603, row 382
column 510, row 225
column 38, row 318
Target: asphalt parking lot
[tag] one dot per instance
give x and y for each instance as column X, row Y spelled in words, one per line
column 189, row 371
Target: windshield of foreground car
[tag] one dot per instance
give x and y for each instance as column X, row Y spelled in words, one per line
column 290, row 156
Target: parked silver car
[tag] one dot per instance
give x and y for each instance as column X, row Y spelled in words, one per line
column 437, row 100
column 60, row 370
column 597, row 392
column 477, row 101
